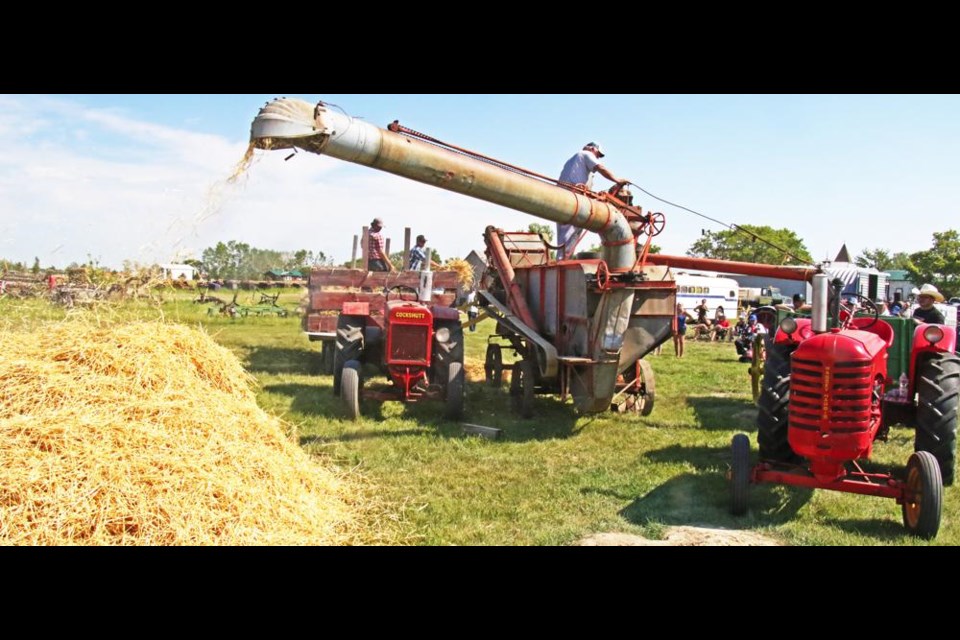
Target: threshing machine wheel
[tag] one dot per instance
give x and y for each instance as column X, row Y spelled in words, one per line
column 350, row 389
column 521, row 388
column 349, row 346
column 655, row 224
column 774, row 405
column 454, row 391
column 923, row 501
column 648, row 390
column 938, row 389
column 740, row 475
column 493, row 366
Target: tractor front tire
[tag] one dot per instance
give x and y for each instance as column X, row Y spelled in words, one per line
column 938, row 389
column 349, row 346
column 923, row 504
column 740, row 475
column 454, row 391
column 350, row 389
column 773, row 404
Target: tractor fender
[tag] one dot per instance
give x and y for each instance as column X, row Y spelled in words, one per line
column 445, row 313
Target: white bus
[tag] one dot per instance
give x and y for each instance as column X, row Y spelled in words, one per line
column 718, row 292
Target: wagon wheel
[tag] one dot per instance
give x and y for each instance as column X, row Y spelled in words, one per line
column 757, row 365
column 493, row 366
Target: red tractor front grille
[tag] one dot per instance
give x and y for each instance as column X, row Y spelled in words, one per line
column 408, row 343
column 835, row 397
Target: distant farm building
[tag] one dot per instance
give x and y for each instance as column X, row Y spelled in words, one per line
column 178, row 271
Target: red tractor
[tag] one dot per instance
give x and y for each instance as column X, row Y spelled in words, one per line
column 412, row 334
column 823, row 404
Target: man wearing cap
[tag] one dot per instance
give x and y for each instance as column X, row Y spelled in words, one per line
column 377, row 258
column 926, row 312
column 579, row 170
column 418, row 254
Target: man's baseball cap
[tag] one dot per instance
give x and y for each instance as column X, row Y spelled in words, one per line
column 598, row 147
column 376, row 221
column 419, row 238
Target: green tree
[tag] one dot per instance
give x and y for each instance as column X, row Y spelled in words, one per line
column 939, row 265
column 882, row 260
column 35, row 269
column 545, row 230
column 747, row 246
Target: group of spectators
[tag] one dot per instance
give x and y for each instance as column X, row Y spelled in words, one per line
column 716, row 329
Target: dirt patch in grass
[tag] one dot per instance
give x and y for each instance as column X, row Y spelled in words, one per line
column 683, row 537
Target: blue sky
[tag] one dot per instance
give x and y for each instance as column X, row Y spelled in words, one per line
column 141, row 177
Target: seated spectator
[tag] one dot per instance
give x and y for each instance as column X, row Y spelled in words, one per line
column 721, row 326
column 744, row 344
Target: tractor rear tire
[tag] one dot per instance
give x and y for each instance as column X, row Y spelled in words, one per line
column 493, row 366
column 454, row 391
column 773, row 414
column 923, row 507
column 938, row 390
column 740, row 475
column 349, row 346
column 521, row 388
column 350, row 389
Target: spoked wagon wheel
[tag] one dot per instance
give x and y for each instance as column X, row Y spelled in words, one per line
column 923, row 499
column 756, row 365
column 740, row 475
column 521, row 388
column 493, row 366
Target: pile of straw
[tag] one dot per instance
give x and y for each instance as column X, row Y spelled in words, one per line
column 149, row 434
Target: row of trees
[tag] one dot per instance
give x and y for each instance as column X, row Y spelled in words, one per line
column 239, row 261
column 939, row 265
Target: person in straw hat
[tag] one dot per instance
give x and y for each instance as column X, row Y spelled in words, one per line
column 926, row 312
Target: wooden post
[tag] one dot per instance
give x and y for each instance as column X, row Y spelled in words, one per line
column 387, row 248
column 365, row 248
column 406, row 244
column 353, row 255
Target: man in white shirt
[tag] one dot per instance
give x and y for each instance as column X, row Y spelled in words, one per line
column 579, row 170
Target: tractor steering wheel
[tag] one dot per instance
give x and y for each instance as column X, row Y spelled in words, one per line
column 401, row 289
column 863, row 305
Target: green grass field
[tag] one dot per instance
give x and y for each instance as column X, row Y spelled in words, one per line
column 547, row 481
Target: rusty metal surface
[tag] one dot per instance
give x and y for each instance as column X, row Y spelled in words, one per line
column 803, row 274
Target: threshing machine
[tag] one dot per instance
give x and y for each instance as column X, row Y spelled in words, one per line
column 580, row 327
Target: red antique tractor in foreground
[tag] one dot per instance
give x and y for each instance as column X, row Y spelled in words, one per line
column 823, row 404
column 403, row 323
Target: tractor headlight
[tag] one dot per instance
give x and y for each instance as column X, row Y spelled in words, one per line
column 442, row 334
column 933, row 334
column 788, row 326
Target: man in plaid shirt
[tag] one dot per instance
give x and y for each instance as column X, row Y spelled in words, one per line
column 378, row 258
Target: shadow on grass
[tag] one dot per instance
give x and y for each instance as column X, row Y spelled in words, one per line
column 724, row 414
column 282, row 360
column 483, row 405
column 695, row 499
column 876, row 528
column 704, row 498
